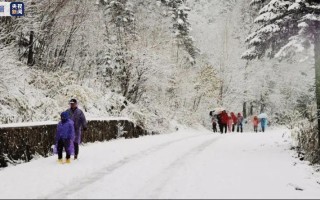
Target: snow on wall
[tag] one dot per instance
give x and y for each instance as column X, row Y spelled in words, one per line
column 22, row 142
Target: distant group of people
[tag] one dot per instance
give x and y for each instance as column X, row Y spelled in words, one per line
column 226, row 122
column 263, row 123
column 229, row 122
column 69, row 131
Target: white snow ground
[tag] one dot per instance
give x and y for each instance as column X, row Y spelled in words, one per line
column 186, row 164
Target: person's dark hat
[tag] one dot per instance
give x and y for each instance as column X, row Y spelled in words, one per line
column 73, row 101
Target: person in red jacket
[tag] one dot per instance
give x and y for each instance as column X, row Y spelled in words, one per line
column 224, row 122
column 255, row 124
column 235, row 121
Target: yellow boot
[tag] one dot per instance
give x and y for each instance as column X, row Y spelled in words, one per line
column 60, row 161
column 68, row 161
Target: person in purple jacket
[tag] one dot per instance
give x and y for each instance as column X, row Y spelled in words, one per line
column 80, row 123
column 64, row 137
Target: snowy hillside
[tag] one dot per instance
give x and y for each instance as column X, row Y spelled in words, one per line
column 139, row 72
column 40, row 92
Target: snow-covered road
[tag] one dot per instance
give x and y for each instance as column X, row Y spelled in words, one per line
column 186, row 164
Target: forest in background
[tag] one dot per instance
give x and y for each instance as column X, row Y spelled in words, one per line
column 161, row 63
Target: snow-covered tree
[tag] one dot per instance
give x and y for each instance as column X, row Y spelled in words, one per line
column 287, row 27
column 179, row 13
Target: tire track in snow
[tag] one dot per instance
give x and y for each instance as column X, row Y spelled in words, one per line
column 155, row 186
column 79, row 183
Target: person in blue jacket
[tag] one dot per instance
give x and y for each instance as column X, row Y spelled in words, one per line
column 64, row 137
column 263, row 123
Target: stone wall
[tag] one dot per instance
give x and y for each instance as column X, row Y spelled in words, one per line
column 22, row 144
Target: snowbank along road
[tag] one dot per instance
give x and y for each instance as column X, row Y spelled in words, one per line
column 186, row 164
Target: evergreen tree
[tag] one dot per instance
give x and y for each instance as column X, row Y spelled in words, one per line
column 287, row 27
column 182, row 26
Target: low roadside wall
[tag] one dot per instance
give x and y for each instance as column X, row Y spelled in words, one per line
column 21, row 143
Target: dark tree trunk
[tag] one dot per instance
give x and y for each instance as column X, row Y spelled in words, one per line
column 246, row 75
column 30, row 54
column 317, row 71
column 245, row 110
column 262, row 108
column 251, row 108
column 221, row 94
column 262, row 103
